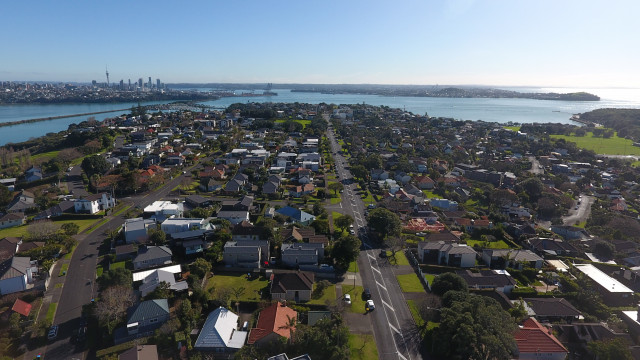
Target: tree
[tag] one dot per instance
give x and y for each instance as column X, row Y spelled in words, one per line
column 345, row 250
column 612, row 349
column 335, row 187
column 200, row 267
column 533, row 188
column 157, row 236
column 43, row 230
column 113, row 305
column 604, row 250
column 359, row 171
column 475, row 327
column 70, row 228
column 5, row 196
column 321, row 226
column 343, row 222
column 95, row 164
column 116, row 277
column 448, row 282
column 384, row 222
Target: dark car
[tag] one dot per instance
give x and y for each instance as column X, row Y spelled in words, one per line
column 366, row 294
column 81, row 335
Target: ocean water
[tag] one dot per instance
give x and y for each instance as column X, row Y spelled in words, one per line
column 491, row 110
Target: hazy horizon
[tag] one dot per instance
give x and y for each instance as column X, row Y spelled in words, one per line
column 548, row 43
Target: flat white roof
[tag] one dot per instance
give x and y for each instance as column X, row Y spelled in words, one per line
column 559, row 265
column 161, row 205
column 604, row 280
column 139, row 276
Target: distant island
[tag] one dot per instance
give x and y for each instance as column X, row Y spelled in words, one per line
column 454, row 92
column 398, row 90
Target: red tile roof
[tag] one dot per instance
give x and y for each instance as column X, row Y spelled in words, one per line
column 274, row 319
column 533, row 338
column 21, row 307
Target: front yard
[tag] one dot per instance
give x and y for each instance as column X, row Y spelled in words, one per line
column 252, row 288
column 410, row 283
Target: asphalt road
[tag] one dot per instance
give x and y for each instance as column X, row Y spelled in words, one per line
column 393, row 327
column 79, row 287
column 580, row 214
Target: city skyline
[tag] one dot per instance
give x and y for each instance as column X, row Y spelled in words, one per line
column 499, row 43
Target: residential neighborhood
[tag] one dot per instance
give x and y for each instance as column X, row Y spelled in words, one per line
column 268, row 229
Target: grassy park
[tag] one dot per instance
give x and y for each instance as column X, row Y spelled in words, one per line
column 611, row 146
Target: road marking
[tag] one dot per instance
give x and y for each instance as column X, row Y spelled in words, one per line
column 404, row 358
column 394, row 329
column 376, row 270
column 389, row 306
column 371, row 256
column 382, row 286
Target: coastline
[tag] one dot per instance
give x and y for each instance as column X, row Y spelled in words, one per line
column 28, row 121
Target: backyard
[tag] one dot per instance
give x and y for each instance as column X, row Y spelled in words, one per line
column 252, row 288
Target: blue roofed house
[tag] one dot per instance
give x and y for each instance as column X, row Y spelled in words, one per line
column 296, row 215
column 220, row 333
column 143, row 319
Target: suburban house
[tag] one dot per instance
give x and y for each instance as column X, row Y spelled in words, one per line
column 196, row 201
column 33, row 174
column 444, row 204
column 152, row 256
column 447, row 253
column 247, row 254
column 16, row 274
column 274, row 322
column 296, row 215
column 552, row 247
column 93, row 203
column 155, row 277
column 295, row 286
column 220, row 333
column 551, row 309
column 233, row 216
column 536, row 342
column 144, row 318
column 179, row 225
column 9, row 246
column 297, row 254
column 136, row 229
column 488, row 279
column 12, row 219
column 161, row 210
column 613, row 292
column 246, row 231
column 22, row 202
column 517, row 259
column 140, row 352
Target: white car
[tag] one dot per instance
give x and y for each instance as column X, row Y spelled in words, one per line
column 347, row 299
column 369, row 305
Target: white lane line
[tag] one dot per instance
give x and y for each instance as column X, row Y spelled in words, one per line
column 382, row 286
column 394, row 329
column 371, row 256
column 400, row 355
column 389, row 306
column 376, row 270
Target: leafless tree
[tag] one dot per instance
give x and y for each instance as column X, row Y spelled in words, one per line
column 42, row 230
column 113, row 305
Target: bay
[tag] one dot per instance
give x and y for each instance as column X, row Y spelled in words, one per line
column 490, row 110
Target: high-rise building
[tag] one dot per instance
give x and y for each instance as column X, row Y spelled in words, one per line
column 140, row 83
column 150, row 83
column 94, row 83
column 121, row 84
column 129, row 85
column 158, row 84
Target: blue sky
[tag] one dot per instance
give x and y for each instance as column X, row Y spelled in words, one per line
column 490, row 42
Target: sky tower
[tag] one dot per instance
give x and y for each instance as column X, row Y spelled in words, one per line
column 107, row 72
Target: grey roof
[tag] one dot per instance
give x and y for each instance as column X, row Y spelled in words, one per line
column 140, row 352
column 231, row 247
column 515, row 255
column 152, row 252
column 486, row 278
column 219, row 331
column 232, row 214
column 148, row 310
column 552, row 307
column 14, row 267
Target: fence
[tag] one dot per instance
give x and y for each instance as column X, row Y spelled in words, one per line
column 416, row 266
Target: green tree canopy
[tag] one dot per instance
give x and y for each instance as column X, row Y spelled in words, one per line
column 346, row 250
column 116, row 277
column 448, row 282
column 335, row 187
column 343, row 222
column 200, row 267
column 95, row 164
column 384, row 222
column 612, row 349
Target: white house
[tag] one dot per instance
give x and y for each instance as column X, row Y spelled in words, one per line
column 12, row 219
column 94, row 203
column 16, row 274
column 161, row 210
column 178, row 225
column 135, row 230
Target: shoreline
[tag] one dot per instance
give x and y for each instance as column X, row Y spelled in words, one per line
column 29, row 121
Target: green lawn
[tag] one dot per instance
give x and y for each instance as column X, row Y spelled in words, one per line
column 410, row 283
column 304, row 123
column 19, row 231
column 46, row 155
column 492, row 244
column 51, row 312
column 353, row 267
column 612, row 146
column 400, row 258
column 63, row 269
column 122, row 210
column 118, row 265
column 418, row 319
column 357, row 303
column 514, row 128
column 252, row 287
column 429, row 194
column 363, row 347
column 99, row 270
column 329, row 295
column 429, row 278
column 336, row 200
column 96, row 226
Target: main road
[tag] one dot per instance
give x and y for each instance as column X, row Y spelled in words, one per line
column 79, row 286
column 393, row 326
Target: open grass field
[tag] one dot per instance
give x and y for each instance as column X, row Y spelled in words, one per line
column 410, row 283
column 19, row 231
column 363, row 347
column 328, row 295
column 400, row 258
column 304, row 123
column 612, row 146
column 251, row 287
column 513, row 128
column 45, row 156
column 492, row 244
column 357, row 303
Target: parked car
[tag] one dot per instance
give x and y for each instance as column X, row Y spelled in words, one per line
column 347, row 299
column 366, row 294
column 369, row 305
column 53, row 332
